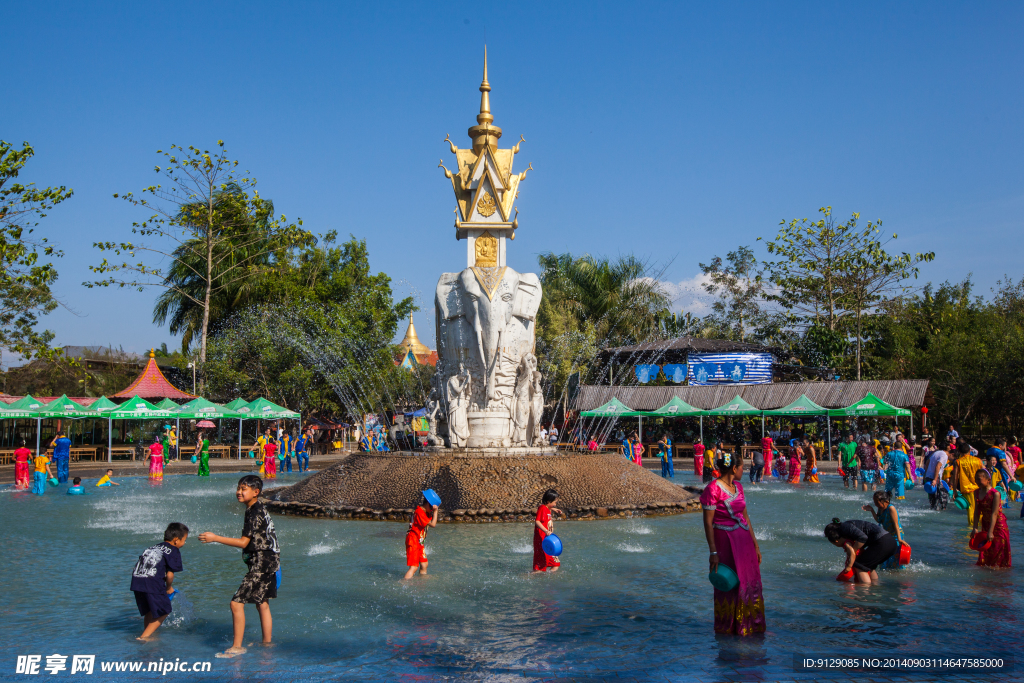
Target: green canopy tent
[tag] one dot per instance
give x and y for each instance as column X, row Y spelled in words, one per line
column 677, row 407
column 9, row 412
column 201, row 409
column 135, row 408
column 33, row 405
column 737, row 406
column 140, row 409
column 63, row 408
column 167, row 404
column 870, row 406
column 242, row 406
column 102, row 404
column 262, row 409
column 27, row 402
column 614, row 408
column 237, row 404
column 801, row 406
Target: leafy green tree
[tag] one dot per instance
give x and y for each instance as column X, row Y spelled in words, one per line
column 871, row 278
column 831, row 277
column 209, row 222
column 240, row 264
column 807, row 272
column 738, row 284
column 317, row 337
column 24, row 280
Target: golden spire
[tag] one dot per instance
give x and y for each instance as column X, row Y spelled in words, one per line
column 412, row 342
column 485, row 101
column 484, row 134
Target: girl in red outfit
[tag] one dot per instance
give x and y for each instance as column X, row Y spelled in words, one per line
column 21, row 475
column 988, row 513
column 542, row 526
column 414, row 554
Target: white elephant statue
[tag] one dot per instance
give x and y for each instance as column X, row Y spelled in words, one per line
column 486, row 321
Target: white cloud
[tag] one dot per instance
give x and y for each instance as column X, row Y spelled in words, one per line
column 689, row 295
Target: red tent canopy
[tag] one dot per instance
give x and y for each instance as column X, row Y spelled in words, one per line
column 152, row 384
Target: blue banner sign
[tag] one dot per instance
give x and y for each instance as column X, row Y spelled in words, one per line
column 707, row 369
column 647, row 373
column 675, row 372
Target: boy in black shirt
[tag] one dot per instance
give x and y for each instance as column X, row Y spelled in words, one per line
column 262, row 555
column 153, row 578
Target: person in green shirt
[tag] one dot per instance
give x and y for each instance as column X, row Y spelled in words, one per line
column 203, row 451
column 848, row 461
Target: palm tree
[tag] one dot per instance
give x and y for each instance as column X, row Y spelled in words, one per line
column 242, row 256
column 622, row 299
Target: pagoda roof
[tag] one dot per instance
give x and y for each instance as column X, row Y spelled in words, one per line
column 152, row 384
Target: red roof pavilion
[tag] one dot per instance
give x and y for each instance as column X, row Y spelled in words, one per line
column 152, row 384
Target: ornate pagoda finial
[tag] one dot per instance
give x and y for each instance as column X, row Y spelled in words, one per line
column 484, row 134
column 485, row 101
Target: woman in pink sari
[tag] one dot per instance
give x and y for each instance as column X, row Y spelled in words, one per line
column 638, row 451
column 988, row 515
column 156, row 461
column 796, row 454
column 731, row 542
column 767, row 452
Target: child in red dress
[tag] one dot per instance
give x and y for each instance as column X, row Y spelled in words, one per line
column 542, row 526
column 415, row 557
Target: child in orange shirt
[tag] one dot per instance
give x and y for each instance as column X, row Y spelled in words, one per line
column 415, row 557
column 542, row 526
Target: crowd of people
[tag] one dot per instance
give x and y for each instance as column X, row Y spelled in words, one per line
column 982, row 485
column 273, row 450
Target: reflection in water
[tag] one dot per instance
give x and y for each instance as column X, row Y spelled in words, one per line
column 631, row 600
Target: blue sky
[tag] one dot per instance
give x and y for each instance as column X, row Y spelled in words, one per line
column 671, row 130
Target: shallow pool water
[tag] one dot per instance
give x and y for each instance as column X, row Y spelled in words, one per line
column 632, row 600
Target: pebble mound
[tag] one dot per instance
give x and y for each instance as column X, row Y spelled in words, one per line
column 386, row 486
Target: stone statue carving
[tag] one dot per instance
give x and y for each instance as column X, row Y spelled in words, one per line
column 523, row 405
column 459, row 391
column 537, row 409
column 433, row 407
column 485, row 320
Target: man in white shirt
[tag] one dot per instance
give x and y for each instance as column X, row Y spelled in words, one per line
column 936, row 465
column 543, row 435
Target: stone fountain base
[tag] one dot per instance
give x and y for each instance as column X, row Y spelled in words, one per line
column 477, row 485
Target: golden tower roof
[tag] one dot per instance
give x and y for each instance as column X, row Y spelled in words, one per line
column 484, row 184
column 412, row 342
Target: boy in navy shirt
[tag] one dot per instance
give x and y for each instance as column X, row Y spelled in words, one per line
column 153, row 578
